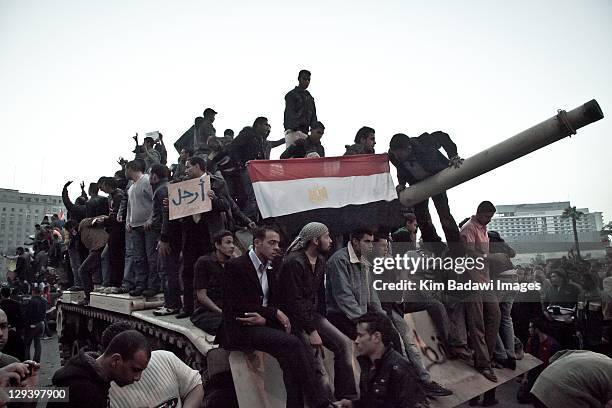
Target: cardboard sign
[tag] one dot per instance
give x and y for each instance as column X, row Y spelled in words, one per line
column 189, row 197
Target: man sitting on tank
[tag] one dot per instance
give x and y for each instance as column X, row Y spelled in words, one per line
column 416, row 159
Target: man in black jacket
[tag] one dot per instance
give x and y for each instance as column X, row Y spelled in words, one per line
column 365, row 140
column 416, row 159
column 76, row 210
column 300, row 110
column 198, row 231
column 116, row 235
column 252, row 321
column 96, row 205
column 88, row 376
column 387, row 379
column 302, row 280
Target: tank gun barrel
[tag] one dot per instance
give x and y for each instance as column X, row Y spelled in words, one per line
column 551, row 130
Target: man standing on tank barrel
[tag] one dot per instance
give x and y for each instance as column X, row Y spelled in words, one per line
column 300, row 110
column 417, row 158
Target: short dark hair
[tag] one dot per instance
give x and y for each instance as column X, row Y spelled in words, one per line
column 5, row 291
column 560, row 273
column 126, row 344
column 359, row 233
column 198, row 161
column 70, row 224
column 218, row 237
column 260, row 121
column 188, row 150
column 486, row 207
column 399, row 141
column 538, row 324
column 20, row 249
column 209, row 112
column 228, row 132
column 198, row 120
column 363, row 133
column 377, row 322
column 149, row 139
column 93, row 188
column 317, row 125
column 112, row 331
column 159, row 170
column 410, row 217
column 135, row 165
column 260, row 232
column 303, row 72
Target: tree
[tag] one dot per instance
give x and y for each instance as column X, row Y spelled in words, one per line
column 573, row 214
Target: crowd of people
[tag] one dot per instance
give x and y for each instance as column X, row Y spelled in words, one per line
column 292, row 297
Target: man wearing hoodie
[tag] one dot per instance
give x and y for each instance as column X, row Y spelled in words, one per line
column 88, row 376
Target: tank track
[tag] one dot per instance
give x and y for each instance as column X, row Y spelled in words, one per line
column 80, row 326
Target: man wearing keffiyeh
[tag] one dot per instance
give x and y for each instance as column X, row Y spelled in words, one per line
column 303, row 283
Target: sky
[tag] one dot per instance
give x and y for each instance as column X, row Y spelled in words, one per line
column 78, row 79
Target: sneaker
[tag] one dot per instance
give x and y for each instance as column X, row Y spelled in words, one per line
column 47, row 338
column 164, row 311
column 110, row 289
column 183, row 315
column 136, row 292
column 100, row 289
column 120, row 290
column 433, row 389
column 488, row 373
column 75, row 289
column 149, row 293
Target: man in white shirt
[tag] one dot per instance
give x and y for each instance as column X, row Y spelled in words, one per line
column 166, row 382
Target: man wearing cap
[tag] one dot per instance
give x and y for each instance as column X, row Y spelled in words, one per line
column 302, row 279
column 204, row 131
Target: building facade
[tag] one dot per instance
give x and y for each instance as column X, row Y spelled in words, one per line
column 19, row 212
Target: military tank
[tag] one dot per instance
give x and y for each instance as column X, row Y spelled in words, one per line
column 82, row 326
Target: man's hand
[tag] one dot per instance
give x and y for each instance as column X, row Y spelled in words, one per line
column 400, row 188
column 455, row 162
column 119, row 218
column 252, row 225
column 128, row 227
column 163, row 248
column 135, row 137
column 82, row 185
column 31, row 381
column 315, row 339
column 166, row 203
column 147, row 225
column 344, row 403
column 212, row 194
column 284, row 320
column 252, row 319
column 69, row 182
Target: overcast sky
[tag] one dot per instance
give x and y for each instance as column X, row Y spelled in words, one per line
column 77, row 79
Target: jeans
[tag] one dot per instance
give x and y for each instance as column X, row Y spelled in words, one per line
column 169, row 277
column 75, row 263
column 428, row 231
column 34, row 333
column 145, row 258
column 104, row 279
column 296, row 361
column 342, row 347
column 129, row 277
column 411, row 351
column 88, row 269
column 250, row 206
column 116, row 255
column 208, row 321
column 419, row 301
column 504, row 347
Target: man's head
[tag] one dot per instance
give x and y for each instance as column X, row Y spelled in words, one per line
column 149, row 142
column 126, row 357
column 20, row 251
column 374, row 333
column 224, row 243
column 4, row 328
column 262, row 127
column 380, row 246
column 411, row 223
column 185, row 154
column 400, row 147
column 158, row 173
column 228, row 135
column 366, row 136
column 558, row 277
column 484, row 212
column 362, row 241
column 304, row 79
column 93, row 189
column 312, row 236
column 536, row 327
column 37, row 227
column 209, row 115
column 71, row 226
column 5, row 292
column 266, row 242
column 134, row 169
column 316, row 131
column 36, row 289
column 195, row 167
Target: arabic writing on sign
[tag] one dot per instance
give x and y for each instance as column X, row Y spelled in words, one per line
column 189, row 197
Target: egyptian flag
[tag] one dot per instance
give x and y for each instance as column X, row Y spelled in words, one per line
column 342, row 192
